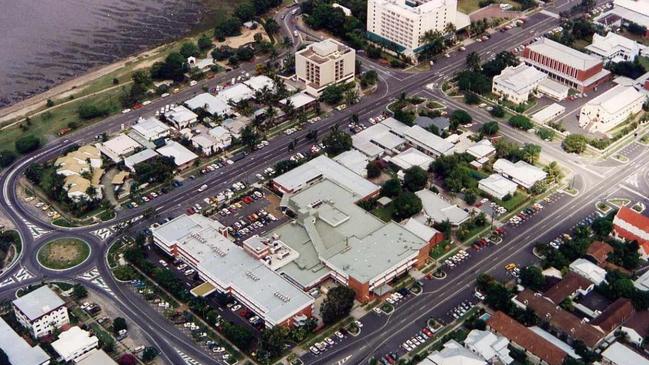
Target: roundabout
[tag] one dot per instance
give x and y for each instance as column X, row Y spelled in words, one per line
column 63, row 254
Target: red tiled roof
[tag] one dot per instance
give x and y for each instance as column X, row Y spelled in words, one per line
column 614, row 315
column 567, row 287
column 599, row 251
column 632, row 217
column 639, row 322
column 526, row 338
column 560, row 319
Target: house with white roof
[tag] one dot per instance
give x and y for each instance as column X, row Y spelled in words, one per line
column 300, row 101
column 636, row 11
column 517, row 83
column 377, row 140
column 221, row 136
column 205, row 144
column 409, row 158
column 549, row 113
column 236, row 93
column 41, row 311
column 497, row 186
column 353, row 160
column 491, row 347
column 141, row 156
column 453, row 354
column 590, row 271
column 211, row 104
column 151, row 128
column 619, row 354
column 97, row 357
column 427, row 142
column 436, row 209
column 481, row 149
column 182, row 156
column 75, row 344
column 611, row 108
column 235, row 125
column 521, row 172
column 181, row 117
column 18, row 351
column 613, row 47
column 119, row 147
column 320, row 168
column 260, row 82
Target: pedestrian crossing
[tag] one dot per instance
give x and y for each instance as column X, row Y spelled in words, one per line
column 103, row 233
column 633, row 180
column 99, row 281
column 35, row 230
column 186, row 358
column 21, row 275
column 93, row 276
column 89, row 275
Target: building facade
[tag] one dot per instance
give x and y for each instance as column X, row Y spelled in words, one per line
column 403, row 23
column 516, row 83
column 41, row 312
column 324, row 63
column 611, row 108
column 578, row 70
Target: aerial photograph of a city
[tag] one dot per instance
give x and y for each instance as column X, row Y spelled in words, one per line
column 324, row 182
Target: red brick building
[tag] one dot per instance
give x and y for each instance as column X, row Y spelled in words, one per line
column 566, row 65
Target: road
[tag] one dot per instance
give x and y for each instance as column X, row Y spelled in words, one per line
column 380, row 334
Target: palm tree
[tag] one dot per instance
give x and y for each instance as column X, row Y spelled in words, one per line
column 450, row 29
column 351, row 96
column 289, row 109
column 473, row 61
column 270, row 115
column 554, row 171
column 433, row 41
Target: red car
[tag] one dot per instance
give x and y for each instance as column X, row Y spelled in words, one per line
column 190, row 211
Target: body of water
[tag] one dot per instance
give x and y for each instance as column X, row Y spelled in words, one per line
column 45, row 42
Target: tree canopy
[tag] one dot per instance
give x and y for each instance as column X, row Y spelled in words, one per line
column 337, row 304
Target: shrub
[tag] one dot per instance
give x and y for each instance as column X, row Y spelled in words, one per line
column 521, row 122
column 27, row 144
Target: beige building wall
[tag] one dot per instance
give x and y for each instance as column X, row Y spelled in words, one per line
column 324, row 63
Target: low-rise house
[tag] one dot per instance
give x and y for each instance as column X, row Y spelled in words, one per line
column 80, row 161
column 632, row 226
column 571, row 286
column 521, row 172
column 75, row 344
column 619, row 354
column 206, row 145
column 614, row 315
column 538, row 349
column 353, row 160
column 517, row 83
column 453, row 353
column 18, row 351
column 79, row 188
column 183, row 158
column 422, row 230
column 221, row 136
column 636, row 328
column 139, row 157
column 548, row 113
column 436, row 209
column 378, row 140
column 321, row 168
column 97, row 357
column 260, row 82
column 41, row 311
column 236, row 93
column 440, row 123
column 481, row 149
column 213, row 105
column 608, row 110
column 235, row 126
column 119, row 147
column 491, row 347
column 599, row 251
column 151, row 128
column 497, row 186
column 553, row 89
column 590, row 271
column 300, row 101
column 428, row 142
column 613, row 47
column 181, row 117
column 559, row 320
column 410, row 158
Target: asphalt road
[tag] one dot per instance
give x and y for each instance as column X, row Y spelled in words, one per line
column 380, row 334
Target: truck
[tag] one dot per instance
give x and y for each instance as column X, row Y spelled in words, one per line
column 202, row 188
column 64, row 131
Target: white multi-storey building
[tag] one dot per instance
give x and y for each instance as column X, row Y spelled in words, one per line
column 75, row 344
column 324, row 63
column 41, row 311
column 516, row 83
column 403, row 23
column 614, row 47
column 611, row 108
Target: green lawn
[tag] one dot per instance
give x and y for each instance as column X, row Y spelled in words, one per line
column 63, row 253
column 514, row 202
column 384, row 213
column 441, row 248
